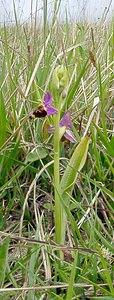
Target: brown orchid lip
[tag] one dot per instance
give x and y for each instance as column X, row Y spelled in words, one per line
column 64, row 139
column 40, row 112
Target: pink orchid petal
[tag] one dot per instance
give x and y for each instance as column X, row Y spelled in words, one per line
column 51, row 110
column 65, row 121
column 69, row 135
column 47, row 99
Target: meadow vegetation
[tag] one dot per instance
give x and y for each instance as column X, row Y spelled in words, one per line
column 33, row 264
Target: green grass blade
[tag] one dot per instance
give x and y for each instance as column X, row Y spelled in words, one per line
column 33, row 260
column 102, row 298
column 6, row 184
column 74, row 88
column 2, row 121
column 105, row 141
column 72, row 278
column 103, row 119
column 100, row 186
column 104, row 240
column 75, row 230
column 102, row 289
column 3, row 260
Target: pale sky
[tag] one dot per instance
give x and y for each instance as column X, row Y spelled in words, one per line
column 76, row 9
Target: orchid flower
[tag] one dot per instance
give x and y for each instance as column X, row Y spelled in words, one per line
column 44, row 109
column 65, row 124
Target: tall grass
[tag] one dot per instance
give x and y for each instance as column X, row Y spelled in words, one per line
column 30, row 265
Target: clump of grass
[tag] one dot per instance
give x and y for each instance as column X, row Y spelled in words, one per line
column 30, row 265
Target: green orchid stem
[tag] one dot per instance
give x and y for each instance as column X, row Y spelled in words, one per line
column 58, row 208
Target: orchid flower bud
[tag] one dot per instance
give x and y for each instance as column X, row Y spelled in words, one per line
column 60, row 80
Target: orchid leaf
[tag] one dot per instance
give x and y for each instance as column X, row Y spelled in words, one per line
column 75, row 165
column 36, row 154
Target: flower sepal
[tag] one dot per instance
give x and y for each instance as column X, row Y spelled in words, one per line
column 61, row 132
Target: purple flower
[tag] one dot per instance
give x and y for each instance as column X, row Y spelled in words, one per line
column 44, row 109
column 50, row 109
column 65, row 122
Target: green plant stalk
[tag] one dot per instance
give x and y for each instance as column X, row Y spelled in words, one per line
column 58, row 207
